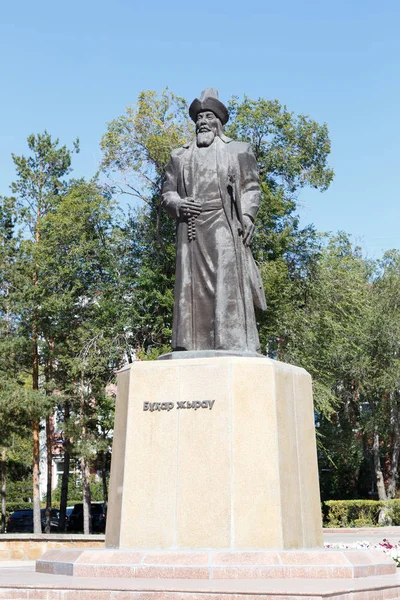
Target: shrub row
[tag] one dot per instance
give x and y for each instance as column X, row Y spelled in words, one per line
column 361, row 513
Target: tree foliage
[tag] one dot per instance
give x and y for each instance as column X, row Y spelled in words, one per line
column 137, row 145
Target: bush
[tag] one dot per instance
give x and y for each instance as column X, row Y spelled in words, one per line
column 75, row 494
column 394, row 511
column 11, row 506
column 360, row 513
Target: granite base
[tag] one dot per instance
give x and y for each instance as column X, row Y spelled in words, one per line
column 212, row 564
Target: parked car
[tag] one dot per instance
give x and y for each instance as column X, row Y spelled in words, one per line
column 54, row 519
column 75, row 522
column 21, row 521
column 68, row 512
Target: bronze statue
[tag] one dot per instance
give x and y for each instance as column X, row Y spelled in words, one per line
column 212, row 190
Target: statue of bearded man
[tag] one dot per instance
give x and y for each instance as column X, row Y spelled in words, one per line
column 212, row 190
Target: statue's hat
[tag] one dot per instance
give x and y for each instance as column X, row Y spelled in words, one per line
column 209, row 101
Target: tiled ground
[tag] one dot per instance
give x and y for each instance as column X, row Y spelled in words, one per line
column 22, row 583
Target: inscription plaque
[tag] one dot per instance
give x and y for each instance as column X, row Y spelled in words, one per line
column 158, row 406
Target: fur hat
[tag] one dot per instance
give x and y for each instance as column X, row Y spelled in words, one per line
column 209, row 101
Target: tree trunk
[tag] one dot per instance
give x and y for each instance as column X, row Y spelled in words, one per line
column 86, row 499
column 394, row 417
column 383, row 518
column 37, row 526
column 49, row 440
column 380, row 483
column 65, row 475
column 87, row 513
column 49, row 446
column 104, row 480
column 3, row 489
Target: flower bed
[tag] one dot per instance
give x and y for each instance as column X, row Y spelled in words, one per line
column 393, row 550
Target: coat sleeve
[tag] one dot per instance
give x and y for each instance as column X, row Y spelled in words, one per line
column 170, row 198
column 249, row 182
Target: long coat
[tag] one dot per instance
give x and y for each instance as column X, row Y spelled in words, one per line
column 217, row 281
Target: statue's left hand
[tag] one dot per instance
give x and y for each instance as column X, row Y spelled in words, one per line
column 248, row 232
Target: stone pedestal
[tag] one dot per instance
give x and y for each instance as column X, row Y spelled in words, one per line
column 214, row 453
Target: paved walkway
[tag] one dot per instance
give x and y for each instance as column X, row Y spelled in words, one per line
column 43, row 586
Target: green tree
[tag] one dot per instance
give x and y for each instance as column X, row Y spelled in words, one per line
column 38, row 188
column 325, row 328
column 137, row 145
column 16, row 399
column 83, row 309
column 328, row 333
column 382, row 382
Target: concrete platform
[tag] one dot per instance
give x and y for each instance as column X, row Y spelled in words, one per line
column 22, row 583
column 217, row 564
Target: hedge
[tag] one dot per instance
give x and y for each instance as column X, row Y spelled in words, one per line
column 360, row 513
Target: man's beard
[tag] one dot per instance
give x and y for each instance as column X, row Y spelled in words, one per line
column 205, row 138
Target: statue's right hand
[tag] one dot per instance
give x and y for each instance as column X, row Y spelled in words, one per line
column 190, row 208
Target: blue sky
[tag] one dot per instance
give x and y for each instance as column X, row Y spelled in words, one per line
column 72, row 67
